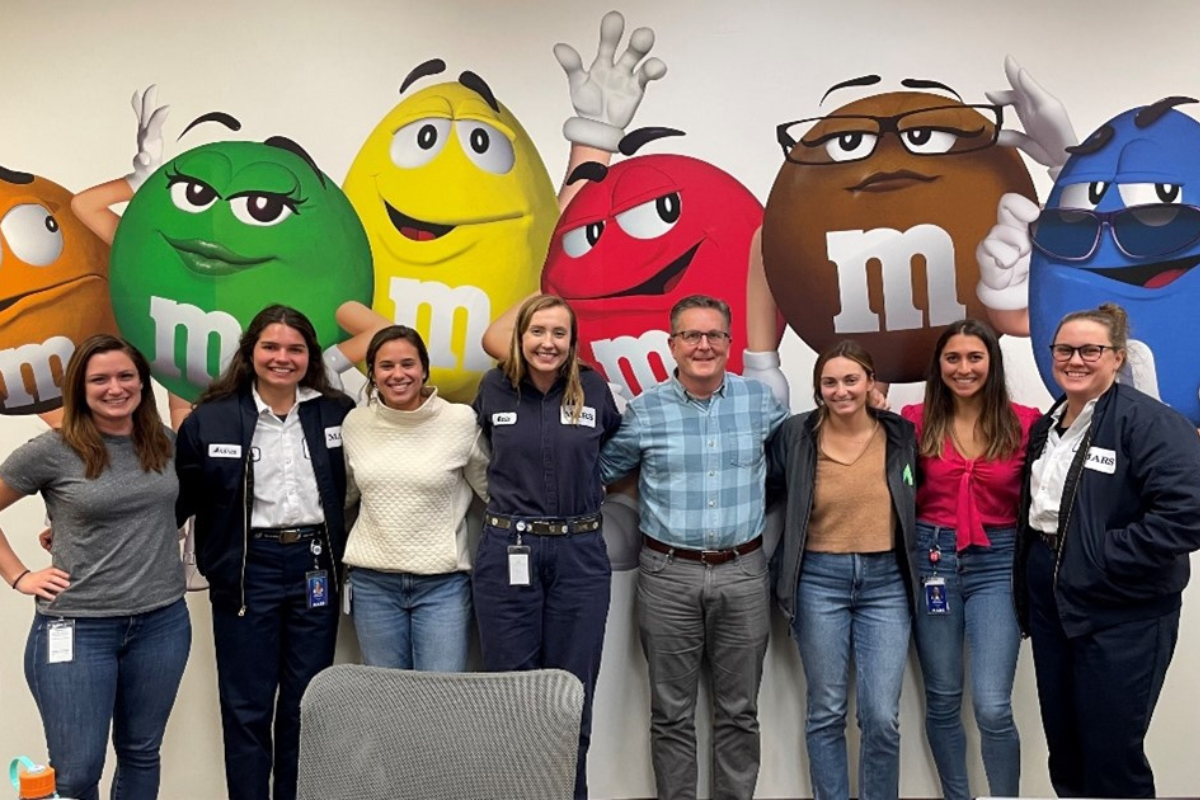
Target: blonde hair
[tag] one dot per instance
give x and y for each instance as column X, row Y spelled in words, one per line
column 516, row 368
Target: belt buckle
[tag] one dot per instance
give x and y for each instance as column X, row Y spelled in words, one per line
column 290, row 536
column 705, row 555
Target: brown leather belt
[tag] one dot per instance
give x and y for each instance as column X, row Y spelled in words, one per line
column 704, row 556
column 546, row 527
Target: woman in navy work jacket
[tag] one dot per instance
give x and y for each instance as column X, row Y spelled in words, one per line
column 542, row 575
column 1110, row 511
column 260, row 466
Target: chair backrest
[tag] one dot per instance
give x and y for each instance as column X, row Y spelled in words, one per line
column 369, row 733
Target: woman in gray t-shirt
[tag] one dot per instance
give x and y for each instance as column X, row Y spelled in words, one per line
column 111, row 635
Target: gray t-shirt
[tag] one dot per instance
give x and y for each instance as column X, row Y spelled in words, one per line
column 115, row 535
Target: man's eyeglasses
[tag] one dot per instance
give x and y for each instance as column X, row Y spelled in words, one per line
column 1088, row 352
column 1156, row 229
column 942, row 130
column 692, row 338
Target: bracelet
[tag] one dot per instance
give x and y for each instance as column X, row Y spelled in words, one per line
column 18, row 578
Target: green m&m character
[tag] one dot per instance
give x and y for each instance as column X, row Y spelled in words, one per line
column 219, row 232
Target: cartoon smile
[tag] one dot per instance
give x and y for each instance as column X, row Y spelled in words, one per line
column 660, row 282
column 60, row 288
column 1150, row 276
column 415, row 229
column 891, row 181
column 211, row 258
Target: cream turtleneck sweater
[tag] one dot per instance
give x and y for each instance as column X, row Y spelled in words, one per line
column 414, row 472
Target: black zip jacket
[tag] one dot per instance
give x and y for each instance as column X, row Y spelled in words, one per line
column 212, row 452
column 793, row 467
column 1129, row 517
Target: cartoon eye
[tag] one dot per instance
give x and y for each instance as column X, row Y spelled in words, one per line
column 1141, row 194
column 1083, row 195
column 488, row 148
column 262, row 209
column 418, row 142
column 653, row 219
column 851, row 145
column 191, row 195
column 32, row 234
column 579, row 241
column 927, row 141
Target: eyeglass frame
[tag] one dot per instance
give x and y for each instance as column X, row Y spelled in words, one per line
column 715, row 337
column 1104, row 218
column 1079, row 350
column 886, row 125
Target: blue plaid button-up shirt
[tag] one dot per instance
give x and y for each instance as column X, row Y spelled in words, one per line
column 703, row 463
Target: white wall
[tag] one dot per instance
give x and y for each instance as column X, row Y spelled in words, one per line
column 324, row 73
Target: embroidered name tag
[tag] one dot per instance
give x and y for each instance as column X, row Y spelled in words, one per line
column 504, row 418
column 333, row 436
column 1101, row 460
column 587, row 416
column 224, row 451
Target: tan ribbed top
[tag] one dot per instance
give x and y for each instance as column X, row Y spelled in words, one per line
column 852, row 509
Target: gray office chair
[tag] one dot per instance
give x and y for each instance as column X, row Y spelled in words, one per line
column 380, row 734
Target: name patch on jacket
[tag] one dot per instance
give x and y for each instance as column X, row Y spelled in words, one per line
column 224, row 451
column 333, row 436
column 1101, row 460
column 504, row 418
column 587, row 416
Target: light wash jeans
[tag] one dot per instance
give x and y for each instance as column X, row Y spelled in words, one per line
column 981, row 615
column 853, row 604
column 408, row 621
column 125, row 672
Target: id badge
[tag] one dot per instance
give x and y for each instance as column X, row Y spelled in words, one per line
column 936, row 601
column 60, row 640
column 318, row 588
column 518, row 565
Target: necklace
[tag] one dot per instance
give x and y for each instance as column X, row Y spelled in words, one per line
column 866, row 443
column 958, row 445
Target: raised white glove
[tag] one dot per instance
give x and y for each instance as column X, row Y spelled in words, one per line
column 764, row 368
column 1048, row 130
column 1003, row 255
column 149, row 136
column 607, row 94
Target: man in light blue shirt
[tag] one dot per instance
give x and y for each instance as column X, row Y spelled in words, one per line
column 703, row 590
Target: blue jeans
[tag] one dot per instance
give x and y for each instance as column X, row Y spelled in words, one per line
column 407, row 621
column 980, row 603
column 853, row 604
column 555, row 622
column 125, row 672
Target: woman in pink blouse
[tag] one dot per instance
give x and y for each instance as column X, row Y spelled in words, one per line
column 971, row 445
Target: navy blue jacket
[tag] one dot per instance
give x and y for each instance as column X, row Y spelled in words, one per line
column 212, row 451
column 1130, row 515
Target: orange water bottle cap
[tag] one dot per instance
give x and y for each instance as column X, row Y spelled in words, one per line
column 32, row 781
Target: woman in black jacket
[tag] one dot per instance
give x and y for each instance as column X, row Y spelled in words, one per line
column 260, row 466
column 1110, row 511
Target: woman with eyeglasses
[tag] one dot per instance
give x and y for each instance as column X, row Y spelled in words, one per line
column 1110, row 511
column 971, row 447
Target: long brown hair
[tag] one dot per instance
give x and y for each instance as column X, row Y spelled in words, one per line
column 848, row 349
column 79, row 431
column 516, row 369
column 998, row 423
column 239, row 375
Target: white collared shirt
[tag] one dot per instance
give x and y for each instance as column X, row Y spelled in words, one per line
column 1049, row 474
column 285, row 486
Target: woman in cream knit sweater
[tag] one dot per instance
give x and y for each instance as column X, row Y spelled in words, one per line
column 413, row 460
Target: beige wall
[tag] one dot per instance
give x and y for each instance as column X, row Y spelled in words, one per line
column 324, row 73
